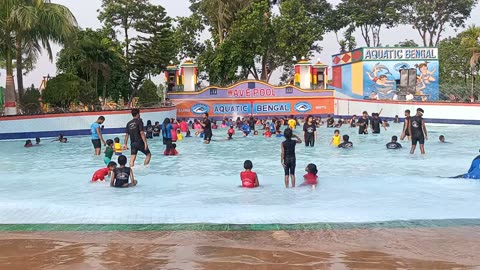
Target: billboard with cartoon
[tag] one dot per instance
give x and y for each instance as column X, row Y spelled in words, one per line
column 384, row 77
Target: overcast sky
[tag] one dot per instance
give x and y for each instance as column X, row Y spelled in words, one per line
column 86, row 14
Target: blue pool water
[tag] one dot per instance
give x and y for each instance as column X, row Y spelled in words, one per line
column 50, row 183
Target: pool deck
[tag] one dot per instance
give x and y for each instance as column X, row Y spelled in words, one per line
column 373, row 248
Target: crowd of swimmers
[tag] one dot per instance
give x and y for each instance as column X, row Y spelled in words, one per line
column 173, row 130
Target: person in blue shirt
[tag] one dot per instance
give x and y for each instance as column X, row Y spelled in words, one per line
column 97, row 138
column 246, row 129
column 167, row 134
column 474, row 171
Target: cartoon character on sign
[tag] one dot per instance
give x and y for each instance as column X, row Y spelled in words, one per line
column 382, row 84
column 425, row 74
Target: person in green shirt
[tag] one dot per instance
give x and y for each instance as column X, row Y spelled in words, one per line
column 108, row 151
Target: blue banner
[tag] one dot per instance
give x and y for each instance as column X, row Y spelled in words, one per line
column 272, row 108
column 242, row 108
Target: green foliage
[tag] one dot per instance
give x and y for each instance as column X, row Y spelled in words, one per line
column 368, row 15
column 147, row 95
column 261, row 41
column 407, row 43
column 187, row 36
column 30, row 101
column 149, row 52
column 430, row 18
column 97, row 59
column 66, row 89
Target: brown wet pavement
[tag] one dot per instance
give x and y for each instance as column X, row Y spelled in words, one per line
column 416, row 248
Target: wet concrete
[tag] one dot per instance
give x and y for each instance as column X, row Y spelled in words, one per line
column 416, row 248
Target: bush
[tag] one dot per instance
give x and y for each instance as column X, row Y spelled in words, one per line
column 66, row 89
column 147, row 95
column 30, row 102
column 62, row 90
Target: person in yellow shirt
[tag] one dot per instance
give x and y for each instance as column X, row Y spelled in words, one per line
column 336, row 138
column 179, row 135
column 292, row 123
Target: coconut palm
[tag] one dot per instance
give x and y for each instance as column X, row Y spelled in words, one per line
column 26, row 26
column 471, row 40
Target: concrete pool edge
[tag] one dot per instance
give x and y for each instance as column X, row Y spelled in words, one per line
column 240, row 227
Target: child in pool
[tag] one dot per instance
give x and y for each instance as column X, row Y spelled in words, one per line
column 230, row 132
column 156, row 129
column 28, row 143
column 267, row 133
column 117, row 146
column 311, row 176
column 149, row 130
column 346, row 142
column 179, row 135
column 288, row 157
column 249, row 178
column 37, row 140
column 199, row 133
column 122, row 176
column 336, row 138
column 108, row 151
column 173, row 150
column 100, row 174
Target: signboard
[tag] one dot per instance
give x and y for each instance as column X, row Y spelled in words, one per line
column 221, row 108
column 249, row 90
column 374, row 54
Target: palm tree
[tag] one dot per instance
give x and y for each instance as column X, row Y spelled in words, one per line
column 52, row 22
column 27, row 26
column 471, row 40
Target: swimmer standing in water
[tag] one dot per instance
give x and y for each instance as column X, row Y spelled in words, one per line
column 288, row 158
column 406, row 125
column 418, row 131
column 207, row 129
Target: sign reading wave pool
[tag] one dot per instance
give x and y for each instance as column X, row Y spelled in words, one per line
column 247, row 93
column 400, row 54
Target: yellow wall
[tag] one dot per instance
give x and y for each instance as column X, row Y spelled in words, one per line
column 357, row 78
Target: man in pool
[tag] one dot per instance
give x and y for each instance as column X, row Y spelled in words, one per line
column 418, row 131
column 406, row 125
column 346, row 142
column 97, row 138
column 362, row 124
column 207, row 129
column 394, row 144
column 138, row 140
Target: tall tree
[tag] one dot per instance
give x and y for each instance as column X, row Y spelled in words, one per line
column 219, row 15
column 370, row 16
column 431, row 17
column 123, row 15
column 471, row 41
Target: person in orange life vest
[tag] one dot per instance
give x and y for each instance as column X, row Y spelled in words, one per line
column 230, row 133
column 311, row 176
column 249, row 178
column 100, row 174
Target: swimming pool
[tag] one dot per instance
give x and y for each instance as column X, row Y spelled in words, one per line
column 50, row 183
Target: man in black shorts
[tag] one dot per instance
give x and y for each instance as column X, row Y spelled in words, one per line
column 207, row 128
column 138, row 140
column 418, row 131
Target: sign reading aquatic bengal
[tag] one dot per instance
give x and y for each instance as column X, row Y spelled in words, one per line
column 264, row 107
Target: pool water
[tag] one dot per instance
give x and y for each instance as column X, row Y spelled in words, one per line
column 50, row 183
